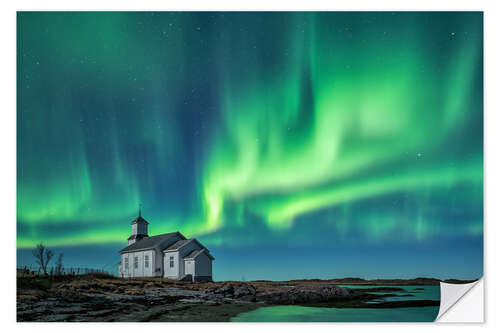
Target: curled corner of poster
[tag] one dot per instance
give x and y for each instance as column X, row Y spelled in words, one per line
column 462, row 303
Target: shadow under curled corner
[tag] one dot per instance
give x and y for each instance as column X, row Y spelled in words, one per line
column 462, row 303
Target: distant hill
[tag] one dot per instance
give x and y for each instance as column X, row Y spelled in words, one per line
column 422, row 281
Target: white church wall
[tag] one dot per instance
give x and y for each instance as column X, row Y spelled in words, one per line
column 184, row 251
column 148, row 270
column 158, row 260
column 136, row 264
column 139, row 270
column 125, row 265
column 189, row 267
column 171, row 272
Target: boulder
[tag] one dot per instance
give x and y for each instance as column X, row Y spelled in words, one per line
column 244, row 290
column 226, row 289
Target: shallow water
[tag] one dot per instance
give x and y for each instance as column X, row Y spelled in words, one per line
column 432, row 293
column 295, row 313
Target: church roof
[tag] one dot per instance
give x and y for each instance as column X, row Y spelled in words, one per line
column 139, row 219
column 139, row 236
column 163, row 240
column 177, row 245
column 193, row 254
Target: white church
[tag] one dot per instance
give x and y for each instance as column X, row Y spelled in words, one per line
column 169, row 255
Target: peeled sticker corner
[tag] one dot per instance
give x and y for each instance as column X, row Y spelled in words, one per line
column 462, row 302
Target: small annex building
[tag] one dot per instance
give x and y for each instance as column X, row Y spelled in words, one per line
column 170, row 255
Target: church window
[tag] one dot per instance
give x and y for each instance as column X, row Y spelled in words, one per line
column 126, row 263
column 136, row 262
column 146, row 261
column 171, row 261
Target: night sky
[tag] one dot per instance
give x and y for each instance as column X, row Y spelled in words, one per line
column 293, row 145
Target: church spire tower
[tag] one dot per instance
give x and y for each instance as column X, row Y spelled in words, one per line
column 139, row 228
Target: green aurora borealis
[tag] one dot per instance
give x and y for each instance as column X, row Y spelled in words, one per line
column 253, row 130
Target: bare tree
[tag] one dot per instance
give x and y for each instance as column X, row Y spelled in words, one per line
column 42, row 256
column 59, row 264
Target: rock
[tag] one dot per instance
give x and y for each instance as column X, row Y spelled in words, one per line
column 187, row 277
column 227, row 289
column 244, row 291
column 137, row 300
column 57, row 318
column 134, row 292
column 27, row 298
column 191, row 300
column 305, row 295
column 248, row 298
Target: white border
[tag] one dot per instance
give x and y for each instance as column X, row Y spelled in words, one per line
column 466, row 306
column 8, row 138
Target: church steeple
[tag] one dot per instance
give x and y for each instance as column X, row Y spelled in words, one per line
column 139, row 228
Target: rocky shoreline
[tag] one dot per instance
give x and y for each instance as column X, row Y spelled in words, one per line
column 108, row 299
